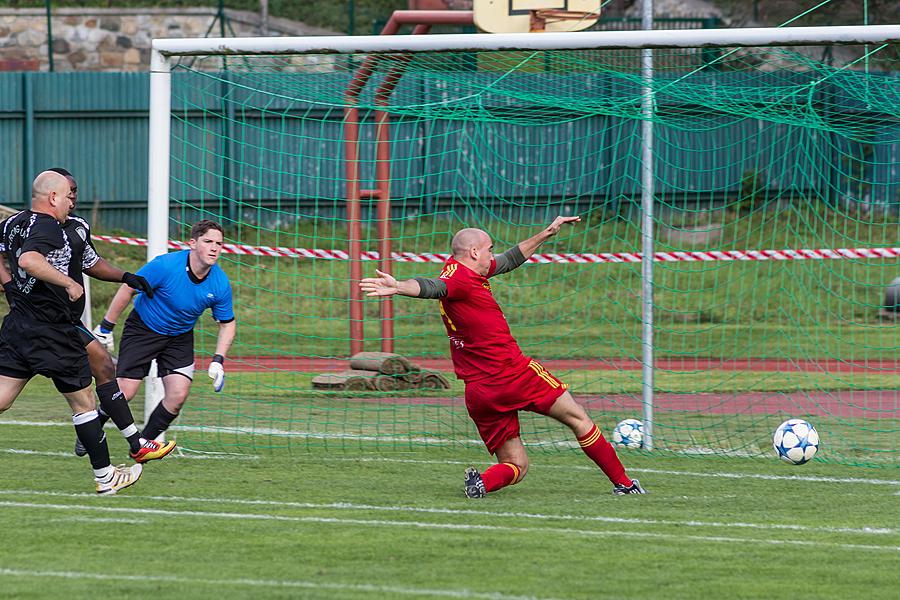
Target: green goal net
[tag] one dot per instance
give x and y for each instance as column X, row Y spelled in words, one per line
column 776, row 185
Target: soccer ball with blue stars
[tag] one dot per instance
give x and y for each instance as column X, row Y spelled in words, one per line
column 796, row 441
column 629, row 434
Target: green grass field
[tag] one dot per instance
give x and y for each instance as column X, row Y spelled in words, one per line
column 325, row 524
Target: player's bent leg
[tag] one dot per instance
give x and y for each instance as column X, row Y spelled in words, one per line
column 176, row 387
column 129, row 387
column 570, row 413
column 512, row 464
column 102, row 366
column 10, row 388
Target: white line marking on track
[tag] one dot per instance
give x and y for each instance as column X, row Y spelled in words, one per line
column 467, row 512
column 380, row 590
column 446, row 526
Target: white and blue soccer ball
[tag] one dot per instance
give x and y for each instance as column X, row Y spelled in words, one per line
column 796, row 441
column 629, row 434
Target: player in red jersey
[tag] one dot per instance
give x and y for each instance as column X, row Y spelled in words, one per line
column 500, row 380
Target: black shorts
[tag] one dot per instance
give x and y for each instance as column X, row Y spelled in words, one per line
column 140, row 345
column 86, row 336
column 54, row 350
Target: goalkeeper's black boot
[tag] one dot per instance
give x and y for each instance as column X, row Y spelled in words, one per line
column 474, row 485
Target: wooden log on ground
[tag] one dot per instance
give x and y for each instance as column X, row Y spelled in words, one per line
column 383, row 362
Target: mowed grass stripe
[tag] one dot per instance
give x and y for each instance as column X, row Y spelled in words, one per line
column 267, row 583
column 349, row 506
column 714, row 474
column 465, row 527
column 190, row 454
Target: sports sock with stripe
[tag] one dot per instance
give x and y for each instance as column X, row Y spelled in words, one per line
column 601, row 452
column 113, row 402
column 499, row 476
column 90, row 434
column 159, row 421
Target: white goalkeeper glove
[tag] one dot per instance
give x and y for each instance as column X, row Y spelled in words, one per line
column 104, row 334
column 217, row 372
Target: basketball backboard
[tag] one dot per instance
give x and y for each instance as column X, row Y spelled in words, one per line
column 518, row 16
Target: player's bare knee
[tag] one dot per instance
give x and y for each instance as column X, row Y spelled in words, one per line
column 523, row 470
column 104, row 371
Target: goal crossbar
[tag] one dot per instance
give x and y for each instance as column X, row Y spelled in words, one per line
column 684, row 38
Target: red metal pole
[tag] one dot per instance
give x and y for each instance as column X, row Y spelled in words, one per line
column 423, row 19
column 354, row 227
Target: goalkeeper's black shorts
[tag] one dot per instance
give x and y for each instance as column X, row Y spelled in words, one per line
column 140, row 345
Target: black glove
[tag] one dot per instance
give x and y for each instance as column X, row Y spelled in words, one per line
column 136, row 282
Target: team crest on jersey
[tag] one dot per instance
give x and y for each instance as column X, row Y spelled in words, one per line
column 81, row 233
column 487, row 285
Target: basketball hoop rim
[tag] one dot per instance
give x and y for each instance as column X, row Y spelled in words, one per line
column 565, row 15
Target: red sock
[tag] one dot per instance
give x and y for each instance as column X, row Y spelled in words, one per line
column 499, row 476
column 601, row 452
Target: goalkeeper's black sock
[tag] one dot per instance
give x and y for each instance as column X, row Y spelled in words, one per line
column 90, row 434
column 115, row 407
column 159, row 421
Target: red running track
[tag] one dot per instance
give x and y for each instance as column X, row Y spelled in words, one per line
column 315, row 365
column 871, row 404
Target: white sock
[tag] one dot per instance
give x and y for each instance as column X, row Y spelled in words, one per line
column 104, row 474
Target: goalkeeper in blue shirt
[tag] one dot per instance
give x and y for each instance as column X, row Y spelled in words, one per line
column 184, row 285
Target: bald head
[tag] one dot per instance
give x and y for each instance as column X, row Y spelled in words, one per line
column 49, row 181
column 466, row 239
column 50, row 195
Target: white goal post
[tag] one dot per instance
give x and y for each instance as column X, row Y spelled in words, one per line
column 164, row 50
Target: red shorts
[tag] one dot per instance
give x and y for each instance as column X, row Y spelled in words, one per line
column 494, row 403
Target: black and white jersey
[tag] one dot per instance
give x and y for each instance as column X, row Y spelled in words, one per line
column 84, row 254
column 29, row 231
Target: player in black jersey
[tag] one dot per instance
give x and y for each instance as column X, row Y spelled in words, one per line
column 112, row 402
column 38, row 336
column 86, row 259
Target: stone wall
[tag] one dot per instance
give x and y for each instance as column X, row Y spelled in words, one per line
column 96, row 39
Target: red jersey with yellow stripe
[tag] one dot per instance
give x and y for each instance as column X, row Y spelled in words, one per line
column 481, row 344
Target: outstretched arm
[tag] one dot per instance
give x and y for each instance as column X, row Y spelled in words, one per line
column 531, row 244
column 386, row 285
column 104, row 271
column 119, row 302
column 516, row 256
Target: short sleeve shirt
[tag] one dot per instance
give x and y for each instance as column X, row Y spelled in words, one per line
column 29, row 231
column 179, row 298
column 481, row 344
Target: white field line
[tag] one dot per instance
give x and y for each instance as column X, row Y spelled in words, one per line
column 467, row 527
column 268, row 431
column 807, row 478
column 426, row 441
column 379, row 590
column 468, row 512
column 188, row 453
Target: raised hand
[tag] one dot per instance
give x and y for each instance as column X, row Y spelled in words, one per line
column 383, row 285
column 558, row 222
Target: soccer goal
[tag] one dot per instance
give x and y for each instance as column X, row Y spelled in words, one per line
column 739, row 204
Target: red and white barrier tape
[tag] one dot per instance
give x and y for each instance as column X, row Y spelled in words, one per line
column 600, row 257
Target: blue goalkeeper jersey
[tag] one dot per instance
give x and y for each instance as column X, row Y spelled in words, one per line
column 179, row 298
